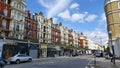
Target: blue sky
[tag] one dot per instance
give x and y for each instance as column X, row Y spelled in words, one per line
column 85, row 16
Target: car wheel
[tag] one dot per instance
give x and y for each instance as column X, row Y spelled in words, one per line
column 17, row 61
column 30, row 60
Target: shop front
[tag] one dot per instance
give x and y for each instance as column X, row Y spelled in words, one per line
column 33, row 50
column 43, row 50
column 58, row 51
column 7, row 48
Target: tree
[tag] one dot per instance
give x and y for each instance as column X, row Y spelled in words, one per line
column 32, row 39
column 107, row 50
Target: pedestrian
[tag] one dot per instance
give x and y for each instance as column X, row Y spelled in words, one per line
column 111, row 56
column 101, row 54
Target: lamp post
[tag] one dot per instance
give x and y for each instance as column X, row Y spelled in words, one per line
column 111, row 42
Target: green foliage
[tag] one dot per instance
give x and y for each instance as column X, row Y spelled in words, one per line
column 32, row 39
column 107, row 50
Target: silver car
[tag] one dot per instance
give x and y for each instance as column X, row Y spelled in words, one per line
column 19, row 58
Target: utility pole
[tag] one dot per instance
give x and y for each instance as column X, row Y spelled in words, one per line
column 111, row 42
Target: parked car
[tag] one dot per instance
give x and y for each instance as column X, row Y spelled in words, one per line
column 20, row 58
column 2, row 62
column 97, row 54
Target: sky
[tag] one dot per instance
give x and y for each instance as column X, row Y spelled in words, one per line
column 86, row 16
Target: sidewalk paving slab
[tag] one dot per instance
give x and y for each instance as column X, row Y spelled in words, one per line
column 105, row 63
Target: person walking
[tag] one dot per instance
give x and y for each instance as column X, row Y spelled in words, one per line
column 111, row 56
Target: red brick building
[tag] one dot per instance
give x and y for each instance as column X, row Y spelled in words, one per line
column 82, row 40
column 55, row 34
column 31, row 27
column 4, row 17
column 70, row 37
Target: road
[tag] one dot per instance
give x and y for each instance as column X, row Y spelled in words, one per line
column 64, row 62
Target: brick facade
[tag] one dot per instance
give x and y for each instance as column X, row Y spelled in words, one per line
column 55, row 34
column 31, row 27
column 70, row 37
column 4, row 19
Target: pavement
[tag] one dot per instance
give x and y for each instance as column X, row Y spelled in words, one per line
column 43, row 58
column 100, row 62
column 104, row 63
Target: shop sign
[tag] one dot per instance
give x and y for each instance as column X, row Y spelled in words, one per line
column 58, row 48
column 43, row 46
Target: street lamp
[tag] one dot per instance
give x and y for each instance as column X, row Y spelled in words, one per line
column 111, row 42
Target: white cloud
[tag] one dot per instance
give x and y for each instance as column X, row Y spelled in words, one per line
column 65, row 15
column 102, row 22
column 72, row 17
column 97, row 36
column 47, row 3
column 100, row 31
column 103, row 18
column 91, row 17
column 74, row 5
column 77, row 17
column 54, row 7
column 55, row 20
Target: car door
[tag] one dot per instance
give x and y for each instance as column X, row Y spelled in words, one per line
column 25, row 58
column 21, row 57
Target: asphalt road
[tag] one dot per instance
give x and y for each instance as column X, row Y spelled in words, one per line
column 64, row 62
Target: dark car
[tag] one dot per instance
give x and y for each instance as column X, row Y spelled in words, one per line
column 2, row 62
column 97, row 54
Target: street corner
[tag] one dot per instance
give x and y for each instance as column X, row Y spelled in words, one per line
column 92, row 66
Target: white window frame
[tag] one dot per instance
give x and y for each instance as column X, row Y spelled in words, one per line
column 15, row 4
column 4, row 22
column 5, row 12
column 118, row 5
